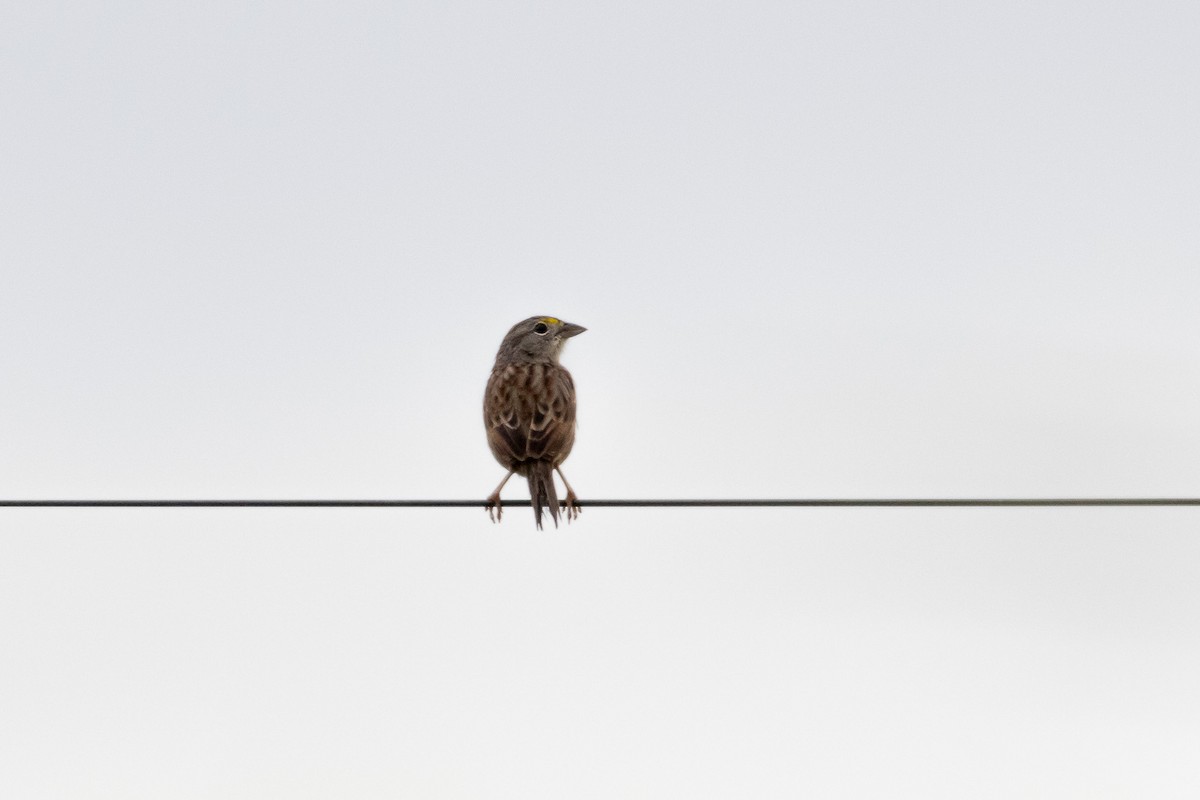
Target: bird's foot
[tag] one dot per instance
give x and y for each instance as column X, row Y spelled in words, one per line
column 573, row 509
column 494, row 509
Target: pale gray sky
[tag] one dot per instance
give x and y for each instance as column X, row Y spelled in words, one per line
column 822, row 249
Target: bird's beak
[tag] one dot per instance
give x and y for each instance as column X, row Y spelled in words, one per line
column 570, row 329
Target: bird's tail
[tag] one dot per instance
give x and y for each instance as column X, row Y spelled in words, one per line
column 541, row 491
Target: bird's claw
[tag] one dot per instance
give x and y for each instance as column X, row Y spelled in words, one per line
column 573, row 509
column 494, row 509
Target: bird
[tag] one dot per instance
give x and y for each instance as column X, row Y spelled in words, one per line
column 529, row 413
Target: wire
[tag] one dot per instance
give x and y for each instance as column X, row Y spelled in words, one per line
column 732, row 503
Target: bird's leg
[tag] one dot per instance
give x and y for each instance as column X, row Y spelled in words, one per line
column 573, row 508
column 494, row 509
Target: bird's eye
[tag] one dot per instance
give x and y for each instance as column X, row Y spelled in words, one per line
column 541, row 328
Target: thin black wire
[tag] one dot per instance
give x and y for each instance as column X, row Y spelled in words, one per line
column 733, row 503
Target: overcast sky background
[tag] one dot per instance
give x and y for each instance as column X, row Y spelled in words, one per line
column 851, row 249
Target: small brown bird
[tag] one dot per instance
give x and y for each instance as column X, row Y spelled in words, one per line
column 529, row 412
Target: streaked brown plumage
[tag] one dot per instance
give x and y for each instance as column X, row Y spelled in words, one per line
column 529, row 412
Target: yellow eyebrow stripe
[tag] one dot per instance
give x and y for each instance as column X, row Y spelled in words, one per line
column 551, row 320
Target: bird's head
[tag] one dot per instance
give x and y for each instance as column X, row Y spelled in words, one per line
column 537, row 340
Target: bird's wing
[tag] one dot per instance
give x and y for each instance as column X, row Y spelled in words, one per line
column 530, row 413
